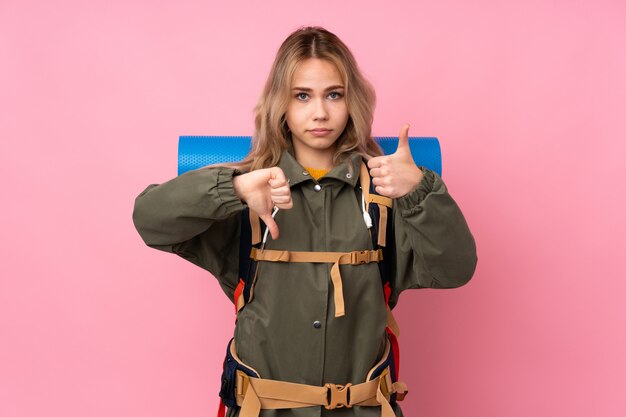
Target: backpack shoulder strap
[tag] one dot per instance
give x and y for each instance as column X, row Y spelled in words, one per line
column 380, row 210
column 251, row 231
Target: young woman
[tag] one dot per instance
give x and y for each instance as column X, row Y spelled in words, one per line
column 316, row 314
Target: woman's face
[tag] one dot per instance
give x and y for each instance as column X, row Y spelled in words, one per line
column 317, row 112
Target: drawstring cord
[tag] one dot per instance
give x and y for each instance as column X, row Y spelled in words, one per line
column 267, row 229
column 366, row 215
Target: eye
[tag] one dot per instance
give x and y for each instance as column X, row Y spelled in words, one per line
column 335, row 95
column 302, row 96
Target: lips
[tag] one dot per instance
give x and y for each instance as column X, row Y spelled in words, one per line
column 320, row 132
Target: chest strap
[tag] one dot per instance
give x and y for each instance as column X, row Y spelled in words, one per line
column 336, row 258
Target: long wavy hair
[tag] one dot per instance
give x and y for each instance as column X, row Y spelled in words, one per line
column 271, row 136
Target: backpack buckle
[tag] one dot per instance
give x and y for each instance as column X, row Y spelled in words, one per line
column 338, row 396
column 360, row 257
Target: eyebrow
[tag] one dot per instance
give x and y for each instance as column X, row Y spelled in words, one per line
column 332, row 87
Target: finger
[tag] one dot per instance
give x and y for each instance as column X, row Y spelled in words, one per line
column 378, row 172
column 280, row 191
column 381, row 181
column 276, row 183
column 384, row 191
column 403, row 139
column 271, row 225
column 284, row 206
column 277, row 174
column 375, row 162
column 281, row 199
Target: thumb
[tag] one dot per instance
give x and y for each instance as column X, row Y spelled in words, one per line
column 271, row 225
column 403, row 139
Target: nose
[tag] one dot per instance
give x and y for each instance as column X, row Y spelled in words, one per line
column 320, row 112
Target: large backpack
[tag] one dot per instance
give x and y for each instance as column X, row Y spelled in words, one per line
column 198, row 151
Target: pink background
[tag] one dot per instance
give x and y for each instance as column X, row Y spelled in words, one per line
column 527, row 98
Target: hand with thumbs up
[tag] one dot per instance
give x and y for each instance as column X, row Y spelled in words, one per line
column 396, row 175
column 263, row 189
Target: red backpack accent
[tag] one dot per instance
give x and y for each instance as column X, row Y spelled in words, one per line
column 238, row 292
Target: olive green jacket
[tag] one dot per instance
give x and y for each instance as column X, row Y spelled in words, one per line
column 289, row 331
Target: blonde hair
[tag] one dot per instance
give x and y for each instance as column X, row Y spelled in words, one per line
column 271, row 135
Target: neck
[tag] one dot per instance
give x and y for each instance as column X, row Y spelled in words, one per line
column 322, row 159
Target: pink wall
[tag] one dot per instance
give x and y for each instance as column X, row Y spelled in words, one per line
column 528, row 100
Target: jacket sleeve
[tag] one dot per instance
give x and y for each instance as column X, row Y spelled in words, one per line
column 195, row 216
column 434, row 246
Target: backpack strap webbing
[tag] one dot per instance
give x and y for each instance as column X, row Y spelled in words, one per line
column 255, row 228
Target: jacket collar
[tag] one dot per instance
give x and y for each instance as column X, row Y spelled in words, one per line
column 348, row 171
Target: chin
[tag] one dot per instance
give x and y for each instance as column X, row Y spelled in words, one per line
column 322, row 146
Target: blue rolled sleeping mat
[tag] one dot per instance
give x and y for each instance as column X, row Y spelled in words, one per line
column 197, row 151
